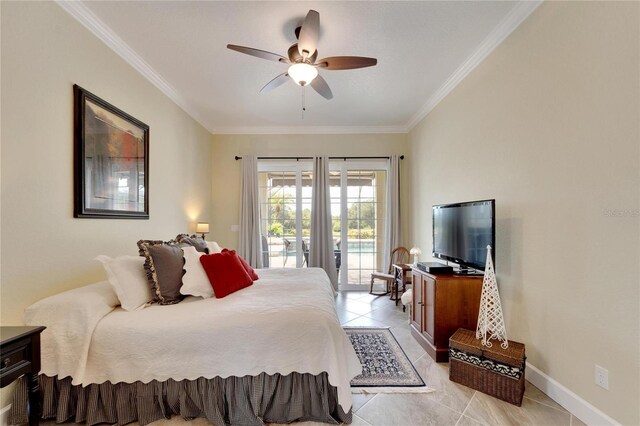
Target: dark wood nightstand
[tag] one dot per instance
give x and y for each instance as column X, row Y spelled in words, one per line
column 20, row 355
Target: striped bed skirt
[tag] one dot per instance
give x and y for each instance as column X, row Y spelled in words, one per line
column 248, row 400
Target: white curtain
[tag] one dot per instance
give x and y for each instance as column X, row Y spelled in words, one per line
column 250, row 246
column 392, row 229
column 321, row 246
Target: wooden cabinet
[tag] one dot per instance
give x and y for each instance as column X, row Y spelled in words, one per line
column 442, row 303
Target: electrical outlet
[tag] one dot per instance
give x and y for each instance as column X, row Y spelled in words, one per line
column 235, row 228
column 602, row 377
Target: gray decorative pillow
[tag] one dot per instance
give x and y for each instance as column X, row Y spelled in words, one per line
column 195, row 241
column 164, row 266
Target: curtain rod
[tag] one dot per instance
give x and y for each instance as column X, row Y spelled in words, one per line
column 330, row 158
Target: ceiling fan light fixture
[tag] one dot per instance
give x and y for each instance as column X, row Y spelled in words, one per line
column 302, row 73
column 303, row 62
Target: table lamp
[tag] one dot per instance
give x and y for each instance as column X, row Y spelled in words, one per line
column 415, row 251
column 202, row 228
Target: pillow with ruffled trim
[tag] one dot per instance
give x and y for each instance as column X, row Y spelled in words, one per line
column 193, row 240
column 164, row 266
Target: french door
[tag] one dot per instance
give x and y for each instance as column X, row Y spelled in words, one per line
column 358, row 203
column 359, row 212
column 285, row 211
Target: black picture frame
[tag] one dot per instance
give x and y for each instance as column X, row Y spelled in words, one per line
column 111, row 160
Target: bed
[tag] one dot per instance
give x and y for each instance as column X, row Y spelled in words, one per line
column 273, row 352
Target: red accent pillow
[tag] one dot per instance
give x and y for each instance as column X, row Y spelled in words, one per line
column 245, row 264
column 225, row 272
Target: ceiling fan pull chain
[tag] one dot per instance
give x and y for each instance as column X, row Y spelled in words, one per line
column 303, row 103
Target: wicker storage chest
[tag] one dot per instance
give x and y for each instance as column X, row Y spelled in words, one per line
column 495, row 371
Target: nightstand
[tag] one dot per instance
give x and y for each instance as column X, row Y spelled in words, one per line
column 20, row 355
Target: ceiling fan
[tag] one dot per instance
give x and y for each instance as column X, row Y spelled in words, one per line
column 302, row 59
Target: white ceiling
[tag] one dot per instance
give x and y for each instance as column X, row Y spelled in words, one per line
column 423, row 48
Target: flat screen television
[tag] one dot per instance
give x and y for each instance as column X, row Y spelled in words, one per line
column 462, row 231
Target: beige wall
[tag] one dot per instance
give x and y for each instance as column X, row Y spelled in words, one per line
column 44, row 249
column 548, row 125
column 226, row 170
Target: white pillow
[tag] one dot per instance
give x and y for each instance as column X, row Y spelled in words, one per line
column 213, row 247
column 127, row 277
column 195, row 281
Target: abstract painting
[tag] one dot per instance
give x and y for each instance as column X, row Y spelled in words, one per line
column 111, row 160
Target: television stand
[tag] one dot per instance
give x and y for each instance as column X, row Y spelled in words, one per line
column 443, row 303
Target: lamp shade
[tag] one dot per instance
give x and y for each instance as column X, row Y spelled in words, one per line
column 302, row 74
column 202, row 228
column 415, row 250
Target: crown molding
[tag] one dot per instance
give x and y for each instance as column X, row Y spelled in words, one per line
column 311, row 130
column 90, row 21
column 509, row 23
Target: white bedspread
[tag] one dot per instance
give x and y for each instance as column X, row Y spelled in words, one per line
column 285, row 322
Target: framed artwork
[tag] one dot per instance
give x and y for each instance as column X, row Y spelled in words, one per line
column 111, row 165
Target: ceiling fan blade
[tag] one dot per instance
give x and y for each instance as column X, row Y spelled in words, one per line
column 308, row 39
column 346, row 62
column 320, row 85
column 276, row 82
column 258, row 53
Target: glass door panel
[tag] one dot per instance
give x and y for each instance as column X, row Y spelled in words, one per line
column 362, row 201
column 285, row 200
column 278, row 202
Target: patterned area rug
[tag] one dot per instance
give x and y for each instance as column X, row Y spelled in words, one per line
column 385, row 366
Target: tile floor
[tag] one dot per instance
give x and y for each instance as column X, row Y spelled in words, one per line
column 450, row 404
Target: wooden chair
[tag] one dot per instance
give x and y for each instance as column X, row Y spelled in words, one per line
column 398, row 255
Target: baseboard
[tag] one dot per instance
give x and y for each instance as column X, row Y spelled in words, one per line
column 4, row 415
column 577, row 406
